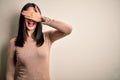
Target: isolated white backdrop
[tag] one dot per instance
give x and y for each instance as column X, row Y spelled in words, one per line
column 90, row 52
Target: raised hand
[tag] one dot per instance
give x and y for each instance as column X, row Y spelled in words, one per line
column 35, row 16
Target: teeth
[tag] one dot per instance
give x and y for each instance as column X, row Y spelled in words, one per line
column 31, row 23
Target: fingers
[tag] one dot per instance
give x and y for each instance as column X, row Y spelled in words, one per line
column 32, row 15
column 26, row 13
column 36, row 9
column 33, row 18
column 28, row 17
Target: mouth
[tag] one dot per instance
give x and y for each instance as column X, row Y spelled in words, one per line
column 31, row 23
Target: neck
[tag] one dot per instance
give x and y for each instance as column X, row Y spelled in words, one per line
column 30, row 32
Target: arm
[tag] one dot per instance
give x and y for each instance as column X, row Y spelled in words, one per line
column 62, row 29
column 10, row 61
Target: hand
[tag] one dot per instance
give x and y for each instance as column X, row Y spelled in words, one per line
column 35, row 16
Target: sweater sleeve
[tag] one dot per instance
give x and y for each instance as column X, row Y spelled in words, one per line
column 10, row 61
column 61, row 29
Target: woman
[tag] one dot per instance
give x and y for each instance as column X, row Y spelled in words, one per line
column 29, row 52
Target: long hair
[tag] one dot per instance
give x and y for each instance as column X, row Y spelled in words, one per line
column 22, row 31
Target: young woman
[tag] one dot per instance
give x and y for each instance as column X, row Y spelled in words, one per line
column 29, row 52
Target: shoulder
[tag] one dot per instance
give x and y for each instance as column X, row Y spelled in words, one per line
column 47, row 32
column 47, row 35
column 12, row 41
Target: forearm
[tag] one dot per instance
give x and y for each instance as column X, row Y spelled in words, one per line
column 60, row 26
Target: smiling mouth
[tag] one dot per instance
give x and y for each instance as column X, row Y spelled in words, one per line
column 31, row 23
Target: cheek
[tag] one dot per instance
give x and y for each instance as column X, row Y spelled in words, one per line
column 35, row 24
column 26, row 23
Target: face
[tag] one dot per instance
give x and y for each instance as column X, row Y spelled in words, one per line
column 30, row 24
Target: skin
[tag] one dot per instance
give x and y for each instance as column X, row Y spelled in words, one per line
column 32, row 16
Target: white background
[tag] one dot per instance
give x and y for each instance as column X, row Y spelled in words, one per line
column 90, row 52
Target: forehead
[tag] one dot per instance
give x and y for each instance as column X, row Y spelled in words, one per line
column 32, row 9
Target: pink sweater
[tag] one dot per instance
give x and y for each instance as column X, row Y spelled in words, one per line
column 32, row 61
